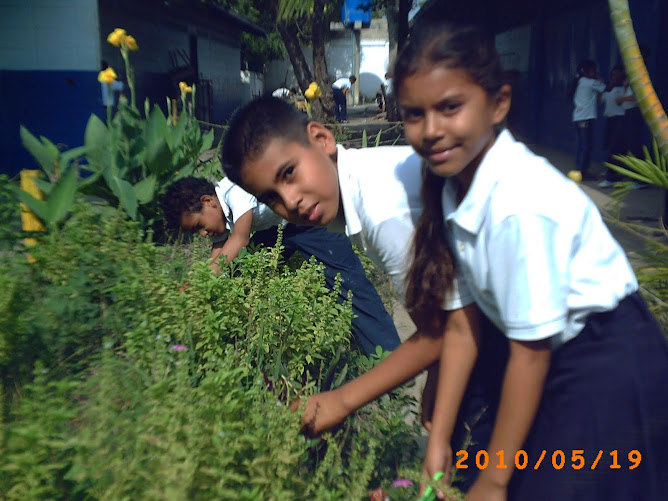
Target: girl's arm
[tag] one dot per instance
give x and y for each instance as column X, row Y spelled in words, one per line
column 423, row 348
column 458, row 356
column 521, row 393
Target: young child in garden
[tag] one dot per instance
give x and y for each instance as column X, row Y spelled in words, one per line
column 373, row 194
column 226, row 210
column 584, row 404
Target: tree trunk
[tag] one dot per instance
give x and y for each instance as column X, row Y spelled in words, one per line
column 302, row 71
column 323, row 108
column 648, row 102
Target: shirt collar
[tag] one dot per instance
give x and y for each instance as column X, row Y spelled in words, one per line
column 348, row 191
column 470, row 214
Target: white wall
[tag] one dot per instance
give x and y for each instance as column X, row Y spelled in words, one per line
column 49, row 35
column 374, row 59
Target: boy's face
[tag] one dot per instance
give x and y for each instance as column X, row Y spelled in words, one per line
column 298, row 183
column 208, row 222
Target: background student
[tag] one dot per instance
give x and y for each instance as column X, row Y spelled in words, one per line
column 588, row 363
column 613, row 112
column 341, row 87
column 226, row 210
column 373, row 194
column 584, row 91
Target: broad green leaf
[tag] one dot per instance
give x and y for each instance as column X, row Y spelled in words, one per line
column 175, row 135
column 39, row 207
column 96, row 132
column 43, row 185
column 44, row 155
column 62, row 195
column 364, row 139
column 207, row 141
column 158, row 158
column 156, row 127
column 68, row 156
column 145, row 189
column 123, row 191
column 378, row 137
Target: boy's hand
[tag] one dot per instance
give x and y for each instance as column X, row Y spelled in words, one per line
column 323, row 411
column 184, row 287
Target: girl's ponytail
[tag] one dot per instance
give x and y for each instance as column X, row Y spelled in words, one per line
column 432, row 270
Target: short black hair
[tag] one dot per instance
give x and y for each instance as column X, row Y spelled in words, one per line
column 183, row 197
column 254, row 125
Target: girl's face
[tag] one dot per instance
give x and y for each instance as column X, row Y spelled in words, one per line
column 299, row 183
column 450, row 119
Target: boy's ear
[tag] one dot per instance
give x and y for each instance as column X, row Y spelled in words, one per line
column 321, row 136
column 502, row 101
column 208, row 200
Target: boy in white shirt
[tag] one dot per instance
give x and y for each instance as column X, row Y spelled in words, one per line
column 226, row 210
column 341, row 87
column 614, row 122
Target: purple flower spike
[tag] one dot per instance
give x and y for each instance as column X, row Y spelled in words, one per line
column 402, row 482
column 179, row 347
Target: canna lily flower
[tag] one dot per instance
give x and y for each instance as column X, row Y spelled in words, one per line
column 313, row 92
column 107, row 76
column 185, row 88
column 117, row 37
column 131, row 43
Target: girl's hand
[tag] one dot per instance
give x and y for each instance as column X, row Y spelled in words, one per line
column 437, row 458
column 483, row 490
column 323, row 411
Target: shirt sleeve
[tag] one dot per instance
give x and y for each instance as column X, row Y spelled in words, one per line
column 528, row 261
column 239, row 201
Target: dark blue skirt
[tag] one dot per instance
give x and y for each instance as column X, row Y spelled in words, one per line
column 607, row 391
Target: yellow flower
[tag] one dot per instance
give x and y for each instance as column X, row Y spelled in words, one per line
column 107, row 76
column 185, row 88
column 313, row 92
column 117, row 37
column 131, row 43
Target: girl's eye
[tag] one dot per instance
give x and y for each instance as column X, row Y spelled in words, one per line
column 450, row 107
column 287, row 173
column 411, row 114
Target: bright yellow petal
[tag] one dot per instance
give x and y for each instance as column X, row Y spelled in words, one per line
column 182, row 86
column 131, row 43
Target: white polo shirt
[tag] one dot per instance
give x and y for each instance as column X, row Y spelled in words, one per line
column 380, row 193
column 609, row 98
column 235, row 202
column 341, row 83
column 532, row 246
column 584, row 98
column 627, row 105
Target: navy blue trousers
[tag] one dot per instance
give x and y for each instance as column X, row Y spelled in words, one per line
column 340, row 105
column 606, row 390
column 372, row 324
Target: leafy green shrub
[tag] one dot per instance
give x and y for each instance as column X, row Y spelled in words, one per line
column 124, row 387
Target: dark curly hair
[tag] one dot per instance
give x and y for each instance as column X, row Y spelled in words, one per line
column 183, row 197
column 254, row 125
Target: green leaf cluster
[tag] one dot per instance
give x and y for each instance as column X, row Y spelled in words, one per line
column 98, row 403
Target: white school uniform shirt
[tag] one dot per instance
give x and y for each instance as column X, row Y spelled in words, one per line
column 584, row 98
column 627, row 105
column 281, row 93
column 532, row 247
column 342, row 83
column 611, row 108
column 236, row 201
column 380, row 193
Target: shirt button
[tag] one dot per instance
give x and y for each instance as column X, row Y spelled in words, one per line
column 462, row 247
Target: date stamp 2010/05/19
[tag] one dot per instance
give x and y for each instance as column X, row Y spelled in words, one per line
column 557, row 459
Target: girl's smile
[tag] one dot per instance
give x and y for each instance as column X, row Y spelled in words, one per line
column 450, row 120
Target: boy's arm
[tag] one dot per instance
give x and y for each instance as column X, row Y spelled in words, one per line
column 235, row 242
column 423, row 348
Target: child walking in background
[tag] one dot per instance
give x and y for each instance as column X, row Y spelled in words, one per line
column 373, row 194
column 613, row 112
column 229, row 214
column 584, row 92
column 584, row 404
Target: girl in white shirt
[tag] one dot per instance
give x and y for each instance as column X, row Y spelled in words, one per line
column 586, row 88
column 583, row 413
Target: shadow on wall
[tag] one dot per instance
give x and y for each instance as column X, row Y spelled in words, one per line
column 369, row 84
